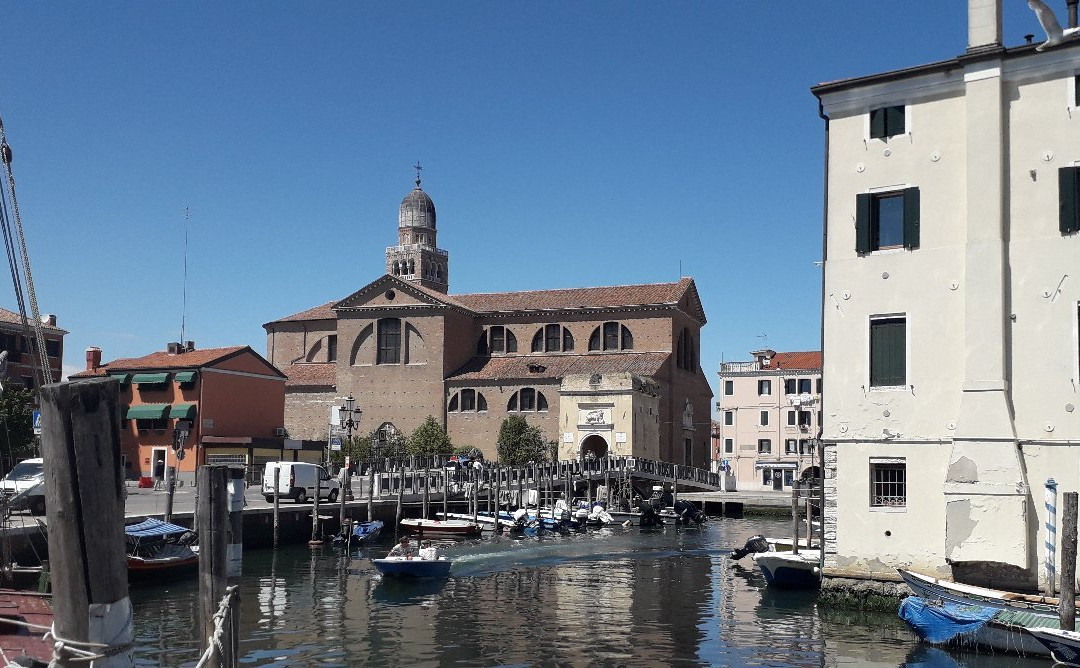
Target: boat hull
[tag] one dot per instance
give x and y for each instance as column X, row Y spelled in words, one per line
column 785, row 569
column 403, row 567
column 1064, row 646
column 936, row 589
column 367, row 531
column 441, row 527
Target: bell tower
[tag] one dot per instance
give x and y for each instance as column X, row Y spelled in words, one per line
column 417, row 258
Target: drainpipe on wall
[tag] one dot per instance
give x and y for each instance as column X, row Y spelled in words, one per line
column 821, row 334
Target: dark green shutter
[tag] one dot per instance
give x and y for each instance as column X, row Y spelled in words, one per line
column 888, row 352
column 877, row 123
column 863, row 204
column 1069, row 199
column 895, row 120
column 911, row 217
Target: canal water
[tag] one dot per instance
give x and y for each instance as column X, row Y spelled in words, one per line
column 609, row 597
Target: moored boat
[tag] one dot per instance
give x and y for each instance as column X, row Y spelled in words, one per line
column 412, row 567
column 157, row 549
column 937, row 589
column 442, row 527
column 789, row 569
column 1064, row 646
column 367, row 531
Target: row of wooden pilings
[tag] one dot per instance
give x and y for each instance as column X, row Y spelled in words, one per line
column 92, row 614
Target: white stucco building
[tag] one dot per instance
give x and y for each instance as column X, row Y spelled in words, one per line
column 951, row 308
column 769, row 412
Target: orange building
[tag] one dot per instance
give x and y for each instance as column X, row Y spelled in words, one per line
column 230, row 401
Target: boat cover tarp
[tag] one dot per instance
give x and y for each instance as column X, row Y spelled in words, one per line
column 941, row 623
column 151, row 527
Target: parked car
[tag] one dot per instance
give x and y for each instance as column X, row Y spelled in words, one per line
column 24, row 486
column 296, row 481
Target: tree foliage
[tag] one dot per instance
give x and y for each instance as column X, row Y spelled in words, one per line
column 16, row 425
column 429, row 439
column 470, row 451
column 521, row 442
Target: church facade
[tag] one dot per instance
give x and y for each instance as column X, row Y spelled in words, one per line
column 606, row 370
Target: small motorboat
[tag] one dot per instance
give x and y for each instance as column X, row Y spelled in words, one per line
column 157, row 549
column 413, row 567
column 367, row 531
column 789, row 569
column 442, row 527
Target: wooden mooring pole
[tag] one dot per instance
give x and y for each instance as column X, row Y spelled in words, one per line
column 1067, row 605
column 427, row 485
column 84, row 507
column 795, row 518
column 316, row 534
column 214, row 543
column 445, row 490
column 277, row 503
column 400, row 494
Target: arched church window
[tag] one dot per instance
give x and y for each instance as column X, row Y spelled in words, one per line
column 527, row 400
column 552, row 339
column 467, row 401
column 611, row 336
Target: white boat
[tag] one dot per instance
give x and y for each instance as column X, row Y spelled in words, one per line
column 934, row 589
column 413, row 567
column 442, row 527
column 790, row 569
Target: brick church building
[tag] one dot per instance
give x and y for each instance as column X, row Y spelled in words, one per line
column 607, row 370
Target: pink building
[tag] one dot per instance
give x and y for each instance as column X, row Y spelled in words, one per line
column 769, row 419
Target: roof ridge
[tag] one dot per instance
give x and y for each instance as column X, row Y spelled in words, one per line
column 590, row 287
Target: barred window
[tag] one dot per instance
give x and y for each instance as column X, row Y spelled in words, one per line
column 888, row 484
column 389, row 351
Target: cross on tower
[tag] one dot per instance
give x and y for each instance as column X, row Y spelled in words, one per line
column 418, row 167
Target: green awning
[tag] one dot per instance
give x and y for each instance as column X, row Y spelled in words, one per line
column 185, row 377
column 147, row 411
column 122, row 377
column 150, row 378
column 183, row 411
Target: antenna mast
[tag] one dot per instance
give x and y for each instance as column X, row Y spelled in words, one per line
column 183, row 311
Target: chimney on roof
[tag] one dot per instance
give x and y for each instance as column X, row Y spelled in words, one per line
column 93, row 358
column 48, row 320
column 984, row 25
column 189, row 346
column 1072, row 11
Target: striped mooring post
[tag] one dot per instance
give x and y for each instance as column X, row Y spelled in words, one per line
column 1051, row 535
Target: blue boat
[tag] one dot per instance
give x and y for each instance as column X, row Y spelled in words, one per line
column 408, row 567
column 367, row 531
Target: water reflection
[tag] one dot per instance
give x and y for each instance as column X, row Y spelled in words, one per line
column 616, row 597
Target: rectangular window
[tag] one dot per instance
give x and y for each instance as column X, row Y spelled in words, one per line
column 468, row 400
column 389, row 341
column 1069, row 199
column 52, row 347
column 804, row 418
column 729, row 417
column 611, row 336
column 331, row 348
column 553, row 336
column 888, row 352
column 764, row 445
column 151, row 424
column 790, row 386
column 729, row 387
column 528, row 399
column 1076, row 91
column 791, row 446
column 888, row 484
column 886, row 122
column 887, row 220
column 789, row 476
column 805, row 385
column 497, row 342
column 764, row 388
column 766, row 476
column 791, row 418
column 819, row 386
column 806, row 447
column 729, row 445
column 764, row 421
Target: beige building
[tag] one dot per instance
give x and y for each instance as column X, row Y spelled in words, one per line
column 599, row 370
column 951, row 308
column 769, row 410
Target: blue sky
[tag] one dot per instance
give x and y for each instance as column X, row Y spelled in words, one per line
column 564, row 144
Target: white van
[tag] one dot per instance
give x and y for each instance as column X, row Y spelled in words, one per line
column 24, row 485
column 297, row 482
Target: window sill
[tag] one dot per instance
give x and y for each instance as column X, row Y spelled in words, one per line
column 888, row 509
column 890, row 388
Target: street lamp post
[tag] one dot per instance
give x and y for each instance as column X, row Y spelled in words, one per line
column 345, row 419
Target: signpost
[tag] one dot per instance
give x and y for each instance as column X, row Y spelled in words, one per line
column 37, row 423
column 180, row 437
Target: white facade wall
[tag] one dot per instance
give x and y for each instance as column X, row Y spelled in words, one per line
column 991, row 404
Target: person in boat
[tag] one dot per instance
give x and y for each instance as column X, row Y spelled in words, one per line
column 402, row 549
column 428, row 551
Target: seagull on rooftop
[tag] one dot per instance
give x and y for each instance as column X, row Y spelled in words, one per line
column 1054, row 33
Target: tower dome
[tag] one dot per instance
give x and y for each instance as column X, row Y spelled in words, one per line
column 417, row 209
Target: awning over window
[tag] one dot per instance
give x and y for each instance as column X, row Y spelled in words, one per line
column 185, row 376
column 147, row 411
column 183, row 411
column 150, row 378
column 122, row 377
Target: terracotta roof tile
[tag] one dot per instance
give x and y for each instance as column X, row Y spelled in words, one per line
column 557, row 366
column 320, row 374
column 13, row 318
column 163, row 360
column 323, row 312
column 802, row 360
column 612, row 296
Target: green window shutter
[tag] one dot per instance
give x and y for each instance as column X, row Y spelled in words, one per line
column 888, row 352
column 911, row 217
column 894, row 120
column 877, row 123
column 863, row 204
column 1069, row 199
